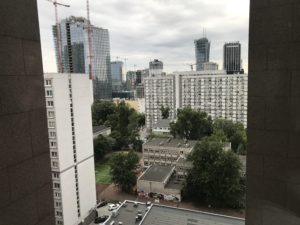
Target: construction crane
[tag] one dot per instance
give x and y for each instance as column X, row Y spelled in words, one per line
column 58, row 35
column 89, row 31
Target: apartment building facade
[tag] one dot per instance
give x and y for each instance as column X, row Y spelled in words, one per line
column 218, row 94
column 68, row 102
column 166, row 151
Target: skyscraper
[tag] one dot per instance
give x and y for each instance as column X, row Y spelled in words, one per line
column 156, row 68
column 74, row 41
column 232, row 58
column 68, row 102
column 117, row 75
column 202, row 49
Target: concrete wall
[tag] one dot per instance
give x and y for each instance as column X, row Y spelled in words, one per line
column 273, row 161
column 25, row 187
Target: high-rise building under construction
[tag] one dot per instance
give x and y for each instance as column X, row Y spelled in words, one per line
column 75, row 53
column 202, row 49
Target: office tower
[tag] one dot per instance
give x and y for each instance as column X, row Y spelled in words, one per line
column 74, row 41
column 159, row 91
column 210, row 66
column 218, row 94
column 232, row 58
column 202, row 50
column 68, row 102
column 116, row 75
column 156, row 68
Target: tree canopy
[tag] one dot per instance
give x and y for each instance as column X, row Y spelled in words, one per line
column 216, row 178
column 124, row 121
column 123, row 170
column 235, row 133
column 102, row 145
column 192, row 124
column 165, row 112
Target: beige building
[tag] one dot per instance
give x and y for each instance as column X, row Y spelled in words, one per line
column 160, row 181
column 166, row 151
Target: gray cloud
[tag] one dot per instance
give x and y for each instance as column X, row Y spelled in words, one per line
column 142, row 30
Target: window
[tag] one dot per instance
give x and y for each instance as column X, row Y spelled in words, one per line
column 58, row 213
column 48, row 82
column 54, row 154
column 52, row 134
column 50, row 114
column 51, row 124
column 55, row 164
column 53, row 144
column 49, row 93
column 50, row 103
column 57, row 203
column 56, row 185
column 55, row 175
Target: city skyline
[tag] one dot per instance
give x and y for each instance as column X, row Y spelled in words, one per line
column 143, row 31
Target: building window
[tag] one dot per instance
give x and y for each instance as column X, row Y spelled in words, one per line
column 58, row 213
column 54, row 154
column 50, row 114
column 49, row 93
column 53, row 144
column 55, row 175
column 55, row 164
column 56, row 185
column 50, row 103
column 58, row 204
column 52, row 134
column 51, row 124
column 48, row 82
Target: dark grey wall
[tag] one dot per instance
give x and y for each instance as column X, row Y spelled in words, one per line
column 273, row 167
column 25, row 179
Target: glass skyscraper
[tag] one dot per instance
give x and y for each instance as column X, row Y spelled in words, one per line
column 232, row 58
column 117, row 75
column 74, row 37
column 202, row 49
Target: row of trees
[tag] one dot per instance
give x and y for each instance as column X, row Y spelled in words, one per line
column 195, row 125
column 125, row 123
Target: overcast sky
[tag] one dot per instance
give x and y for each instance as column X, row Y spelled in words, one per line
column 142, row 30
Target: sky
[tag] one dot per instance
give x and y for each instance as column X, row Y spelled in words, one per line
column 143, row 30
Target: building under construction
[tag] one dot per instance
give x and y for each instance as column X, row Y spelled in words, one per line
column 75, row 53
column 202, row 49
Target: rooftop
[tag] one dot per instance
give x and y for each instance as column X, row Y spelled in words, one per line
column 171, row 142
column 174, row 183
column 163, row 215
column 163, row 123
column 97, row 129
column 157, row 173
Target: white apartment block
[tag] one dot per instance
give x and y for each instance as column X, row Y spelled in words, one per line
column 159, row 91
column 218, row 94
column 68, row 102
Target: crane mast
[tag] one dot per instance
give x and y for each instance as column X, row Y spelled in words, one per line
column 58, row 34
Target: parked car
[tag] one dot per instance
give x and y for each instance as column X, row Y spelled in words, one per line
column 101, row 204
column 101, row 219
column 112, row 207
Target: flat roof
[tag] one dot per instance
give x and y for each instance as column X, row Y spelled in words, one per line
column 163, row 123
column 97, row 129
column 163, row 215
column 127, row 214
column 157, row 173
column 170, row 142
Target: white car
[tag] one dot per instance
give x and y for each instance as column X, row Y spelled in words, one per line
column 112, row 207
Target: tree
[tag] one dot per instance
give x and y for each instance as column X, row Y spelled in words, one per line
column 123, row 167
column 102, row 145
column 101, row 109
column 191, row 124
column 234, row 132
column 165, row 112
column 216, row 177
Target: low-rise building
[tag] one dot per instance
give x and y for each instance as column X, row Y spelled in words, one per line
column 162, row 127
column 101, row 130
column 137, row 213
column 161, row 182
column 166, row 151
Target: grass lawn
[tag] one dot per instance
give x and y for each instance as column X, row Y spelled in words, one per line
column 102, row 172
column 102, row 168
